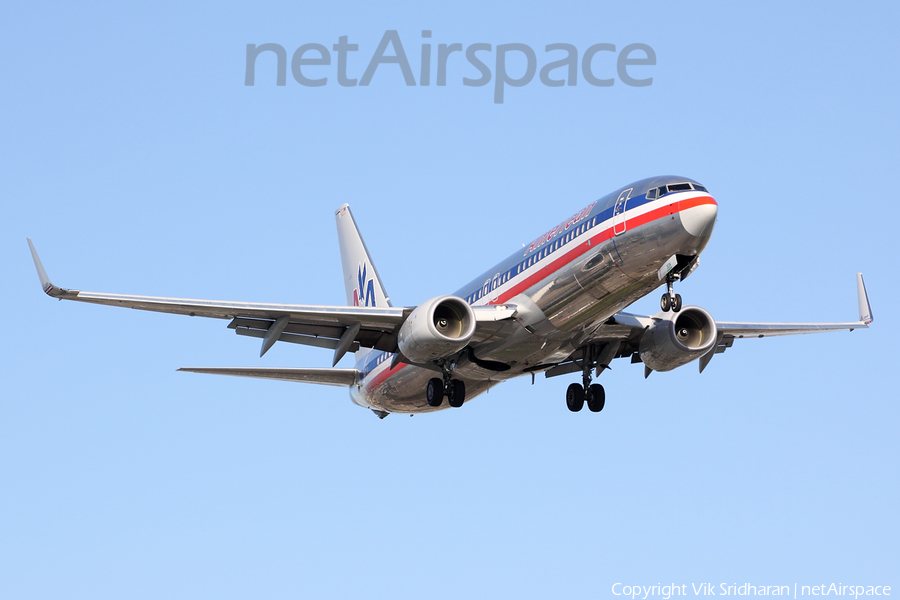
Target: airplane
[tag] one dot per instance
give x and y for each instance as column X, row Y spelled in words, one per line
column 554, row 307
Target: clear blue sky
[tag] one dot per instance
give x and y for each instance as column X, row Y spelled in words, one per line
column 139, row 162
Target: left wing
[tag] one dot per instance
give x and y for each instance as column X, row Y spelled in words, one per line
column 739, row 330
column 620, row 337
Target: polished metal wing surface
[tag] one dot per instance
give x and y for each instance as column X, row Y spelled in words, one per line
column 321, row 326
column 339, row 328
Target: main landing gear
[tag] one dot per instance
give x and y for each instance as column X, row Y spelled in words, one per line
column 670, row 300
column 437, row 388
column 594, row 394
column 577, row 394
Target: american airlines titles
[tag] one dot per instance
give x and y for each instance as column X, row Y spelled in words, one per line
column 561, row 228
column 668, row 591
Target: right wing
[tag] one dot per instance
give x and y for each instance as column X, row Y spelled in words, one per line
column 339, row 328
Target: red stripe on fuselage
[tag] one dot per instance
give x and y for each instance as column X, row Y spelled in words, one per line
column 598, row 238
column 562, row 261
column 381, row 377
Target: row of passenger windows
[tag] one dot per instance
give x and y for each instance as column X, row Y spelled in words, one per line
column 382, row 356
column 530, row 261
column 673, row 187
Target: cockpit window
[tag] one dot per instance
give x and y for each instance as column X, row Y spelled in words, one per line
column 674, row 187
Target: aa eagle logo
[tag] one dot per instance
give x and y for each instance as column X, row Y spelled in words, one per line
column 364, row 294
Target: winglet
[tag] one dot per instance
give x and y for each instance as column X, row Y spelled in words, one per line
column 48, row 287
column 865, row 309
column 42, row 274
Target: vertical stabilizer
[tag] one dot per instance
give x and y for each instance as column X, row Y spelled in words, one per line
column 361, row 280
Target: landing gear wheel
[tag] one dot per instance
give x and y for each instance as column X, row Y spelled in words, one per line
column 677, row 305
column 665, row 302
column 434, row 392
column 575, row 397
column 457, row 393
column 596, row 397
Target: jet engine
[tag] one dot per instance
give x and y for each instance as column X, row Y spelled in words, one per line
column 436, row 328
column 678, row 339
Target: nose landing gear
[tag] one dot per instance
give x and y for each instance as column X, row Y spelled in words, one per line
column 670, row 300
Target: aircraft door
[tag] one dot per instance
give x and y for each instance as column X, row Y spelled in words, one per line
column 619, row 210
column 495, row 288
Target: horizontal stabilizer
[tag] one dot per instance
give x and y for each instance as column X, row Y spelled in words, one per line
column 338, row 377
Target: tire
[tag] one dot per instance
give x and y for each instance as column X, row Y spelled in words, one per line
column 457, row 393
column 434, row 392
column 596, row 398
column 575, row 397
column 664, row 303
column 677, row 306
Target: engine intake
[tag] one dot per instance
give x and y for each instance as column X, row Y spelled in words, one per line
column 436, row 329
column 678, row 339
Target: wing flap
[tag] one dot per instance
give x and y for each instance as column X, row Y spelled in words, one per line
column 336, row 377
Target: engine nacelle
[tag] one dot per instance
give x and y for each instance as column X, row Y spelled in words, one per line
column 678, row 339
column 436, row 328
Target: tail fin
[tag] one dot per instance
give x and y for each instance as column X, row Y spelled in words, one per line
column 361, row 280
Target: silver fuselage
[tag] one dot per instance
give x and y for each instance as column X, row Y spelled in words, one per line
column 564, row 286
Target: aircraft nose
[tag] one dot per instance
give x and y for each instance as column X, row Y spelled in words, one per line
column 700, row 220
